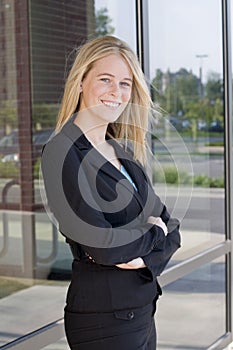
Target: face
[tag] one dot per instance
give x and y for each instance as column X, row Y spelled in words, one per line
column 106, row 89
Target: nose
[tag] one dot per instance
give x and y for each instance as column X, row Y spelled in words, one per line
column 115, row 89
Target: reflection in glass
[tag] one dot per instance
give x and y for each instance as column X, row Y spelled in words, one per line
column 59, row 345
column 35, row 261
column 187, row 136
column 119, row 20
column 192, row 313
column 35, row 266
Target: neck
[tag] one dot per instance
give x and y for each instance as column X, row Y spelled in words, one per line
column 94, row 129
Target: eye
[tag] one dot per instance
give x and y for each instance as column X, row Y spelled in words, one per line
column 125, row 84
column 105, row 80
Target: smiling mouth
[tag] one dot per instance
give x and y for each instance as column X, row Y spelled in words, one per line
column 111, row 104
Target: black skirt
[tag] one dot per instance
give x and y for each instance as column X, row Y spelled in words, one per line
column 131, row 329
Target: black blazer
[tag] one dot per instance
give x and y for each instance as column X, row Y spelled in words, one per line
column 103, row 217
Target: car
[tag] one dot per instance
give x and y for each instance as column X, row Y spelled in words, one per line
column 201, row 125
column 180, row 124
column 216, row 126
column 13, row 157
column 176, row 123
column 186, row 124
column 41, row 137
column 9, row 145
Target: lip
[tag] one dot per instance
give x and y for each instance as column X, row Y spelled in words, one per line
column 111, row 104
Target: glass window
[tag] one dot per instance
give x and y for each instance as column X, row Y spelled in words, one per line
column 191, row 315
column 59, row 345
column 186, row 77
column 35, row 261
column 119, row 22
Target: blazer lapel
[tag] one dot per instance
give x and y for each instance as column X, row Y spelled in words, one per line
column 92, row 156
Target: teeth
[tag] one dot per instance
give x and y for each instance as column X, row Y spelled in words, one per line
column 111, row 104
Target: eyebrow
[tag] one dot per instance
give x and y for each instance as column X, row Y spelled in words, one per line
column 111, row 75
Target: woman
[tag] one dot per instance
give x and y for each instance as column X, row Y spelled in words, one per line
column 119, row 232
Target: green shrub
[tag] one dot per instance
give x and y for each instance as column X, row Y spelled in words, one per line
column 201, row 180
column 36, row 169
column 217, row 182
column 185, row 178
column 158, row 176
column 9, row 170
column 216, row 143
column 171, row 175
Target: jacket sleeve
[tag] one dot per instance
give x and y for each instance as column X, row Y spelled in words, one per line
column 158, row 258
column 81, row 220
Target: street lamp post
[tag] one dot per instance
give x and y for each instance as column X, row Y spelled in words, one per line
column 201, row 56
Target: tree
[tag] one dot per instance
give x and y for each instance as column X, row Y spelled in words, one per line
column 103, row 23
column 187, row 86
column 218, row 110
column 44, row 115
column 196, row 111
column 175, row 90
column 8, row 116
column 179, row 96
column 156, row 88
column 214, row 87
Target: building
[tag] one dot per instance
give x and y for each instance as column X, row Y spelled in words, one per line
column 191, row 165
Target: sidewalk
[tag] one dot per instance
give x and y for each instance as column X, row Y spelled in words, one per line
column 34, row 307
column 29, row 309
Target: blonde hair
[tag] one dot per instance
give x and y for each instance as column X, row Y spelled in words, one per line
column 132, row 125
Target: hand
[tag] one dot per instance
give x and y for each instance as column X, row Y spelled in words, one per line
column 157, row 221
column 137, row 263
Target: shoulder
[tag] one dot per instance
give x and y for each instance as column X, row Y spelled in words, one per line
column 57, row 142
column 68, row 139
column 60, row 152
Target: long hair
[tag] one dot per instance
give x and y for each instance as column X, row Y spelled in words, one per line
column 132, row 125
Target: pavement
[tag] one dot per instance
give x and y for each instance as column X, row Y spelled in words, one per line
column 180, row 318
column 30, row 309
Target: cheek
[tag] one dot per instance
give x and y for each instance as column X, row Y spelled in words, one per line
column 99, row 91
column 126, row 96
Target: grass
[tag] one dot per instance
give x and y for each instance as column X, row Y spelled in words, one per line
column 9, row 169
column 216, row 143
column 10, row 285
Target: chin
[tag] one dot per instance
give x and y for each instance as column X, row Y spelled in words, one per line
column 109, row 116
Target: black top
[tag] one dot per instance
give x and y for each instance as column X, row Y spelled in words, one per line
column 104, row 217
